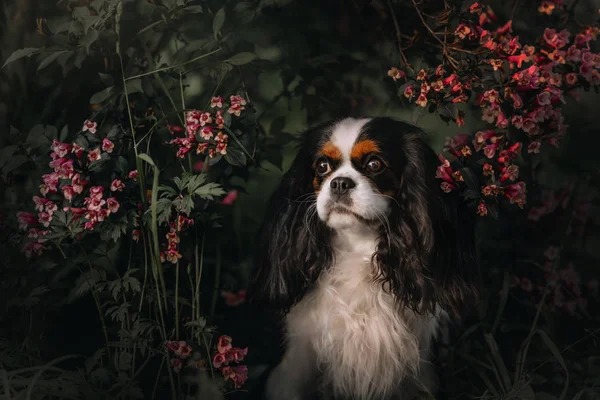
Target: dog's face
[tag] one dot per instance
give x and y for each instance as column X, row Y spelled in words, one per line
column 355, row 175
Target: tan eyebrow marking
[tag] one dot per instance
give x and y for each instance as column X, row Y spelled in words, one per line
column 362, row 148
column 331, row 151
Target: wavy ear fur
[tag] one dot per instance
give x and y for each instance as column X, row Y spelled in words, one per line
column 293, row 244
column 428, row 257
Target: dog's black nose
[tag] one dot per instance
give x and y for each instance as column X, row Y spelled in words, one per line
column 341, row 185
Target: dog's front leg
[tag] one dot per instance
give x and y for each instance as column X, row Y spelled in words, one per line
column 295, row 376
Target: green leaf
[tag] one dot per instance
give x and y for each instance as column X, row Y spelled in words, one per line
column 194, row 9
column 51, row 58
column 218, row 22
column 235, row 156
column 12, row 164
column 107, row 79
column 18, row 54
column 558, row 356
column 147, row 158
column 81, row 56
column 89, row 22
column 241, row 58
column 89, row 39
column 81, row 13
column 134, row 86
column 97, row 4
column 36, row 137
column 209, row 191
column 64, row 133
column 102, row 95
column 163, row 210
column 122, row 165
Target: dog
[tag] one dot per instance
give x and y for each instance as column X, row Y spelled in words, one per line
column 365, row 258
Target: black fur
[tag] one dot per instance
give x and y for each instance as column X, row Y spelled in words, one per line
column 426, row 258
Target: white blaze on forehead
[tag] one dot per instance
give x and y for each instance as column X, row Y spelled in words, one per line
column 345, row 133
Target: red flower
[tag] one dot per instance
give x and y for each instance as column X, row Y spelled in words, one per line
column 94, row 155
column 409, row 92
column 89, row 126
column 216, row 102
column 482, row 209
column 234, row 299
column 117, row 185
column 107, row 145
column 112, row 204
column 396, row 74
column 133, row 174
column 223, row 344
column 25, row 219
column 176, row 364
column 516, row 193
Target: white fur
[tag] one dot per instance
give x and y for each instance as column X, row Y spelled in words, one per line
column 348, row 334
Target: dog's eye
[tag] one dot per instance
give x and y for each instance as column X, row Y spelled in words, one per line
column 323, row 167
column 374, row 165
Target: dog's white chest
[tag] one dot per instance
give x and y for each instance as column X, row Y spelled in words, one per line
column 363, row 343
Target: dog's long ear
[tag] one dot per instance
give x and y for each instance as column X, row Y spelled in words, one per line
column 293, row 243
column 428, row 256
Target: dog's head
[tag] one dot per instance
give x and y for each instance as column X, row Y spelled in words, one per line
column 358, row 174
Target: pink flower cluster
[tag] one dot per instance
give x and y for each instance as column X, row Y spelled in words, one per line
column 226, row 355
column 61, row 187
column 566, row 291
column 181, row 350
column 525, row 97
column 234, row 299
column 434, row 86
column 204, row 129
column 172, row 253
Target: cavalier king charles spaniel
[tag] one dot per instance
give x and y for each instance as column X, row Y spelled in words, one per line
column 366, row 258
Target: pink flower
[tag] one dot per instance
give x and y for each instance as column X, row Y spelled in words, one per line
column 422, row 100
column 396, row 74
column 502, row 122
column 219, row 120
column 236, row 99
column 206, row 133
column 516, row 193
column 234, row 299
column 51, row 181
column 112, row 204
column 77, row 150
column 237, row 354
column 133, row 174
column 534, row 147
column 107, row 145
column 230, row 198
column 219, row 360
column 216, row 102
column 482, row 209
column 205, row 118
column 136, row 234
column 176, row 364
column 224, row 343
column 32, row 248
column 96, row 192
column 238, row 374
column 409, row 92
column 60, row 149
column 77, row 183
column 89, row 126
column 25, row 219
column 173, row 129
column 235, row 109
column 94, row 155
column 117, row 185
column 45, row 218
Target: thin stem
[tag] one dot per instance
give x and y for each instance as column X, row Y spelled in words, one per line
column 177, row 300
column 403, row 59
column 199, row 267
column 217, row 286
column 92, row 286
column 174, row 66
